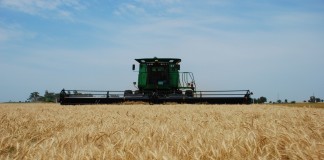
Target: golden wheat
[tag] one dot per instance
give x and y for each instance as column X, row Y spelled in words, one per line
column 51, row 131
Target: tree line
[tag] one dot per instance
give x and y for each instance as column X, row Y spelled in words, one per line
column 260, row 100
column 47, row 97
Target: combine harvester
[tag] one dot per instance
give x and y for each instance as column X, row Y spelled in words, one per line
column 159, row 81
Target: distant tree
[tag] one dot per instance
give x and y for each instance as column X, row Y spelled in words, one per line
column 34, row 97
column 293, row 102
column 41, row 99
column 312, row 99
column 49, row 97
column 262, row 99
column 278, row 101
column 286, row 100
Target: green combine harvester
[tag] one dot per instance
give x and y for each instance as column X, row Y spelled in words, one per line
column 159, row 81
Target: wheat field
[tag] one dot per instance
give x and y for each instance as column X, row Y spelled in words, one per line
column 51, row 131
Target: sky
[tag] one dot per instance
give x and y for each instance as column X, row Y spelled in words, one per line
column 273, row 48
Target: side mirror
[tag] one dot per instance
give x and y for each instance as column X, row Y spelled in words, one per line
column 133, row 67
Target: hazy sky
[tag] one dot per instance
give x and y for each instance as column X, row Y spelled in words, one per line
column 275, row 48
